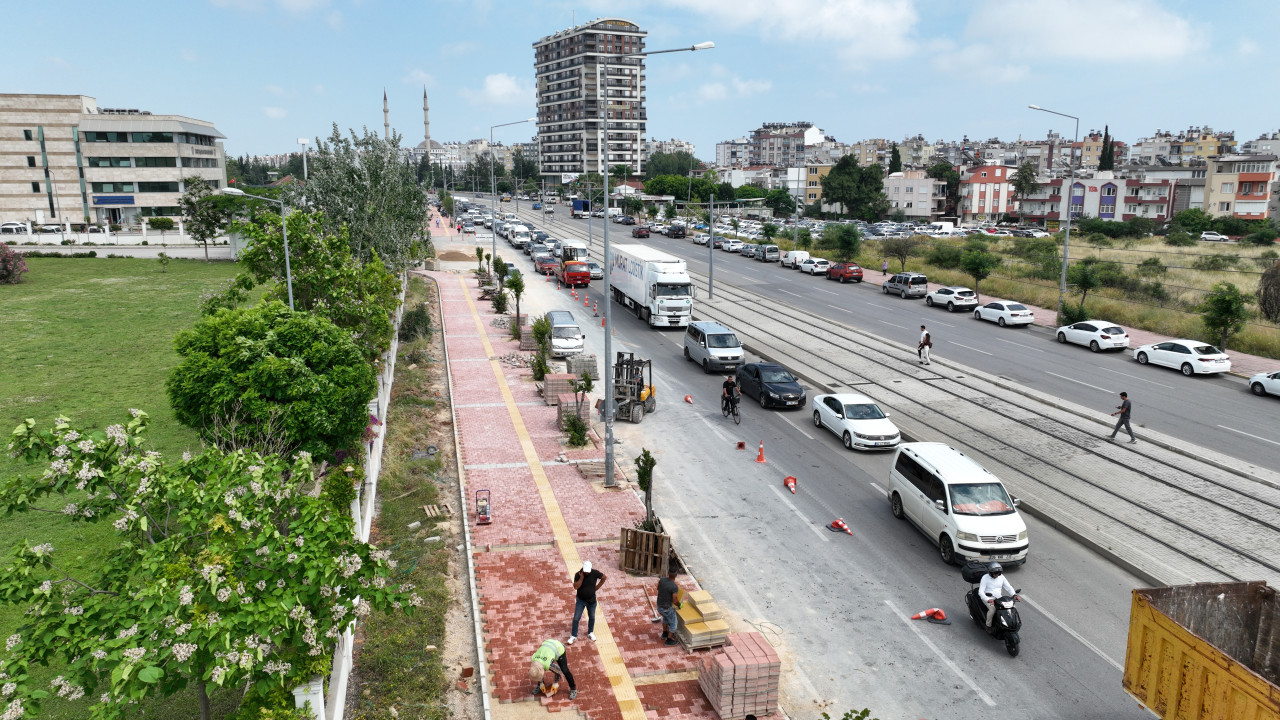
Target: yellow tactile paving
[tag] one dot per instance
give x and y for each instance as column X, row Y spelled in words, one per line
column 624, row 689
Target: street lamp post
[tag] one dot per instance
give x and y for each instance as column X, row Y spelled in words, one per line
column 493, row 186
column 284, row 229
column 610, row 411
column 1066, row 237
column 303, row 143
column 711, row 247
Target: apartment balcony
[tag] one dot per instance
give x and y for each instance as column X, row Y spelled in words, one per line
column 1146, row 199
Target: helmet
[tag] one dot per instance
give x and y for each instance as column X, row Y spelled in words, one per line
column 994, row 568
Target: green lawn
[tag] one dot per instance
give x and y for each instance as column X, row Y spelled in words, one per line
column 89, row 339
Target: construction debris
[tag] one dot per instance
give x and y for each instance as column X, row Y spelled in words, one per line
column 515, row 360
column 502, row 321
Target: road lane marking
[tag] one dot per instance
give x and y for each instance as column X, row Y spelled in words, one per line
column 1080, row 638
column 719, row 434
column 807, row 522
column 954, row 668
column 1020, row 345
column 880, row 490
column 839, row 308
column 939, row 322
column 1135, row 377
column 966, row 347
column 826, row 291
column 789, row 292
column 886, row 322
column 797, row 427
column 1064, row 377
column 1255, row 437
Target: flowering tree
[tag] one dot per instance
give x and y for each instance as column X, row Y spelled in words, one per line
column 12, row 265
column 233, row 570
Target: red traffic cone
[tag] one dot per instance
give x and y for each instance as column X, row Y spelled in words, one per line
column 547, row 276
column 790, row 483
column 601, row 322
column 688, row 399
column 840, row 525
column 760, row 457
column 585, row 301
column 938, row 614
column 922, row 614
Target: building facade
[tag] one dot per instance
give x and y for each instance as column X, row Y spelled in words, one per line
column 580, row 88
column 813, row 175
column 1103, row 197
column 985, row 193
column 783, row 144
column 917, row 196
column 64, row 160
column 733, row 153
column 669, row 147
column 1239, row 186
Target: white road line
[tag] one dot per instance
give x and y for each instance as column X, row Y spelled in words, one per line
column 1020, row 345
column 1255, row 437
column 719, row 434
column 886, row 322
column 833, row 307
column 789, row 292
column 882, row 307
column 954, row 668
column 826, row 291
column 880, row 490
column 966, row 347
column 1064, row 377
column 797, row 427
column 1072, row 633
column 807, row 522
column 939, row 322
column 1135, row 377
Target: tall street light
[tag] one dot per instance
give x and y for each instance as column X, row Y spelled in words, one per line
column 1066, row 238
column 303, row 143
column 493, row 187
column 602, row 78
column 284, row 228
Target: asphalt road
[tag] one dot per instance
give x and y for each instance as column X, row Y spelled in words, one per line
column 1213, row 411
column 839, row 605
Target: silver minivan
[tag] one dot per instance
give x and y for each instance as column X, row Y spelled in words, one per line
column 907, row 284
column 956, row 503
column 767, row 253
column 566, row 337
column 713, row 346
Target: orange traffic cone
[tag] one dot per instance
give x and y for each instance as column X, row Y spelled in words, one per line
column 839, row 524
column 585, row 301
column 926, row 614
column 688, row 399
column 547, row 276
column 790, row 483
column 760, row 457
column 601, row 322
column 938, row 614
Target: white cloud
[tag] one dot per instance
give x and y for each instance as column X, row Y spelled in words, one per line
column 189, row 55
column 1089, row 30
column 458, row 48
column 1247, row 48
column 711, row 92
column 418, row 76
column 500, row 89
column 858, row 28
column 334, row 20
column 317, row 89
column 275, row 113
column 273, row 89
column 57, row 62
column 732, row 86
column 980, row 64
column 747, row 88
column 300, row 7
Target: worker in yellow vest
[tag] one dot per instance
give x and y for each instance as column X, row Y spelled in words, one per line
column 551, row 651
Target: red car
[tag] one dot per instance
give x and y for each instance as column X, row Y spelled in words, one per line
column 574, row 274
column 845, row 272
column 545, row 264
column 640, row 231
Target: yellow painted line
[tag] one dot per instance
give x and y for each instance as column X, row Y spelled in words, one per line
column 624, row 689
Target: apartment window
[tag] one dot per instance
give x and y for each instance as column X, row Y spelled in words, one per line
column 109, row 162
column 1246, row 188
column 1224, row 207
column 1108, row 190
column 1077, row 208
column 896, row 189
column 31, row 161
column 998, row 172
column 1228, row 188
column 151, row 137
column 147, row 187
column 26, row 134
column 910, row 189
column 1131, row 208
column 908, row 204
column 171, row 211
column 35, row 187
column 984, row 173
column 1133, row 191
column 813, row 171
column 113, row 187
column 94, row 136
column 155, row 162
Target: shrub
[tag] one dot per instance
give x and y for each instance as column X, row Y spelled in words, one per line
column 1151, row 267
column 1266, row 259
column 1265, row 237
column 1155, row 291
column 945, row 255
column 266, row 373
column 1215, row 263
column 1179, row 238
column 500, row 302
column 539, row 366
column 163, row 259
column 577, row 430
column 12, row 266
column 1073, row 314
column 1098, row 240
column 144, row 242
column 416, row 323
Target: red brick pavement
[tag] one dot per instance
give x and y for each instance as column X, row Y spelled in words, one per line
column 524, row 585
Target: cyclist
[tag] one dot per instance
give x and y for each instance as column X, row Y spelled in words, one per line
column 729, row 392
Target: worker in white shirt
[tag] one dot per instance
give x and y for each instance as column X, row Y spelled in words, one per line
column 993, row 585
column 926, row 343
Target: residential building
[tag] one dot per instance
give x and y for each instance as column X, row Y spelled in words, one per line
column 915, row 152
column 783, row 144
column 1104, row 197
column 1240, row 185
column 1188, row 183
column 917, row 196
column 813, row 175
column 671, row 146
column 871, row 152
column 581, row 84
column 1266, row 144
column 65, row 160
column 733, row 153
column 985, row 193
column 829, row 150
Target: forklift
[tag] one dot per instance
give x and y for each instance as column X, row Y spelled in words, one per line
column 633, row 393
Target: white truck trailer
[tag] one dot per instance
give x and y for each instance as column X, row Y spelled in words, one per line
column 652, row 284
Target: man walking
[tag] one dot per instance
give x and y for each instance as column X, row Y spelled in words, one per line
column 667, row 589
column 884, row 267
column 551, row 651
column 1123, row 411
column 922, row 350
column 586, row 582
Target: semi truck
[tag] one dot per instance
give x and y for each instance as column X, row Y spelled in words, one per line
column 652, row 284
column 581, row 208
column 1206, row 651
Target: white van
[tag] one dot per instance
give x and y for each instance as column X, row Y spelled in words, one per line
column 793, row 258
column 520, row 236
column 566, row 336
column 956, row 503
column 713, row 346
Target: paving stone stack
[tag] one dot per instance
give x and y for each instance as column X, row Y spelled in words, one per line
column 742, row 678
column 568, row 403
column 555, row 385
column 578, row 364
column 700, row 625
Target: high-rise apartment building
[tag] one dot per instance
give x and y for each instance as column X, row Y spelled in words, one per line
column 65, row 160
column 581, row 82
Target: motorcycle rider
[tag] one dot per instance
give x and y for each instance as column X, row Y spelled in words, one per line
column 993, row 585
column 729, row 392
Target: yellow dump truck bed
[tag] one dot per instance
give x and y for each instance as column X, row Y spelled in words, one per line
column 1209, row 651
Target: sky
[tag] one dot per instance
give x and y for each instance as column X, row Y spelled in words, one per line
column 267, row 72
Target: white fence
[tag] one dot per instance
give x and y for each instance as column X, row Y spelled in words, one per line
column 332, row 705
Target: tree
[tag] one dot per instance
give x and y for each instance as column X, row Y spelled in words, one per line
column 359, row 182
column 1269, row 293
column 677, row 163
column 232, row 569
column 859, row 191
column 522, row 166
column 162, row 224
column 479, row 258
column 1193, row 221
column 780, row 201
column 1224, row 312
column 725, row 192
column 895, row 160
column 644, row 478
column 1024, row 183
column 515, row 284
column 803, row 239
column 736, row 223
column 901, row 248
column 769, row 231
column 1266, row 237
column 500, row 269
column 747, row 192
column 978, row 263
column 845, row 240
column 206, row 218
column 620, row 173
column 1084, row 276
column 268, row 374
column 632, row 205
column 1107, row 156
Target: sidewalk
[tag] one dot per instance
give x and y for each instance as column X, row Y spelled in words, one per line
column 547, row 519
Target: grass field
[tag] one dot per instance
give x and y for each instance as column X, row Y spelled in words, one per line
column 89, row 339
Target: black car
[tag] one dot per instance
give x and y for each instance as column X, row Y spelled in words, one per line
column 627, row 220
column 770, row 384
column 675, row 231
column 539, row 236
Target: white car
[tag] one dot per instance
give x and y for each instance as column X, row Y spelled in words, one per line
column 732, row 246
column 1005, row 313
column 1192, row 357
column 1211, row 236
column 701, row 239
column 814, row 266
column 952, row 298
column 857, row 420
column 657, row 228
column 1265, row 383
column 1099, row 335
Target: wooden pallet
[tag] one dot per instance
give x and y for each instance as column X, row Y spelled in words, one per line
column 643, row 552
column 435, row 511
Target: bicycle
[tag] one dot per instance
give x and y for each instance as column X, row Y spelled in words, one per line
column 730, row 406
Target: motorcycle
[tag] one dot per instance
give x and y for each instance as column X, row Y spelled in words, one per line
column 1006, row 623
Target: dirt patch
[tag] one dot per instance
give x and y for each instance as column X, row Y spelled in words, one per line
column 455, row 255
